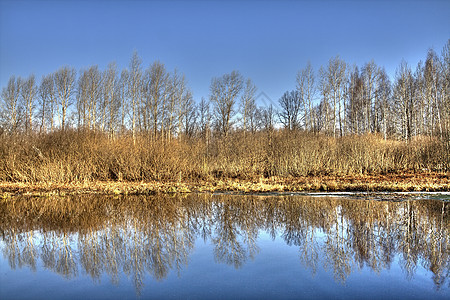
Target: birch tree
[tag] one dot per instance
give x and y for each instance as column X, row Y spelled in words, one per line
column 82, row 98
column 134, row 90
column 111, row 101
column 11, row 103
column 431, row 83
column 176, row 88
column 94, row 94
column 445, row 94
column 224, row 92
column 307, row 90
column 65, row 86
column 403, row 100
column 188, row 114
column 153, row 88
column 369, row 74
column 248, row 104
column 383, row 103
column 325, row 120
column 355, row 107
column 336, row 73
column 47, row 102
column 122, row 94
column 28, row 91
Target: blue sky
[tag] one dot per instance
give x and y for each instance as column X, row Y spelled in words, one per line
column 268, row 41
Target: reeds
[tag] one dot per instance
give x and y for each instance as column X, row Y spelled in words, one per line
column 87, row 156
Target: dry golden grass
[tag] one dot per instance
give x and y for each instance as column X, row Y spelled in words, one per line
column 277, row 161
column 402, row 183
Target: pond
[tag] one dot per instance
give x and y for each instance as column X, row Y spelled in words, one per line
column 222, row 246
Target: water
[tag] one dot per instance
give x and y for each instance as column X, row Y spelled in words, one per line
column 224, row 246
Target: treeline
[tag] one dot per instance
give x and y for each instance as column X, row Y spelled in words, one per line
column 144, row 124
column 337, row 100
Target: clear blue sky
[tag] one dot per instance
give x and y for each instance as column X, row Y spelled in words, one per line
column 268, row 41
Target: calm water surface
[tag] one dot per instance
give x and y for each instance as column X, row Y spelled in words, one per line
column 224, row 246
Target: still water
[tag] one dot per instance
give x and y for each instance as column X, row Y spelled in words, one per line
column 204, row 246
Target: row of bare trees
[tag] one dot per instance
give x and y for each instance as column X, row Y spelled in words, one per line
column 356, row 101
column 25, row 106
column 152, row 100
column 340, row 100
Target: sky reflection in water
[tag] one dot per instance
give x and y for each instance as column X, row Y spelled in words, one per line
column 205, row 246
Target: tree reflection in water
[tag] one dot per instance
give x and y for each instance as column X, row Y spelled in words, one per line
column 139, row 235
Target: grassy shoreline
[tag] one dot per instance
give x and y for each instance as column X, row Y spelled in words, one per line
column 74, row 162
column 364, row 183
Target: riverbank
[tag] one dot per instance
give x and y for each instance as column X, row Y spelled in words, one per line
column 429, row 182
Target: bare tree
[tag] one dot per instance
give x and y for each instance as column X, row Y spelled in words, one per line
column 324, row 118
column 307, row 90
column 89, row 95
column 204, row 119
column 268, row 118
column 369, row 75
column 336, row 75
column 82, row 98
column 431, row 86
column 444, row 93
column 383, row 103
column 94, row 94
column 47, row 98
column 445, row 99
column 417, row 94
column 65, row 86
column 122, row 98
column 403, row 99
column 111, row 99
column 29, row 91
column 224, row 92
column 255, row 119
column 134, row 89
column 291, row 106
column 188, row 114
column 355, row 107
column 11, row 104
column 43, row 105
column 248, row 104
column 153, row 90
column 175, row 89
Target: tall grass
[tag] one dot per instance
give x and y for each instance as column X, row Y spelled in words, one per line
column 84, row 156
